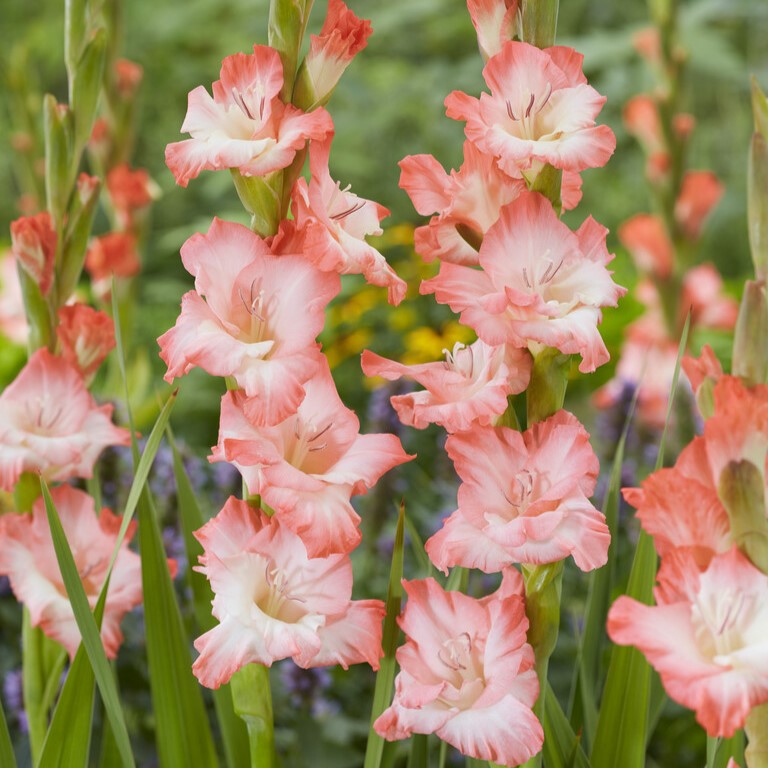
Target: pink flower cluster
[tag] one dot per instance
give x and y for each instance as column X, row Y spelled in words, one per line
column 658, row 245
column 524, row 282
column 280, row 568
column 706, row 635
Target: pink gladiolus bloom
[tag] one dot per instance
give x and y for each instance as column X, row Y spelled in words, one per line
column 540, row 284
column 274, row 602
column 335, row 223
column 703, row 295
column 494, row 21
column 700, row 193
column 13, row 320
column 28, row 558
column 342, row 37
column 680, row 507
column 466, row 673
column 50, row 424
column 470, row 387
column 307, row 467
column 112, row 254
column 128, row 76
column 641, row 118
column 253, row 316
column 540, row 110
column 699, row 369
column 467, row 200
column 524, row 498
column 706, row 637
column 646, row 239
column 244, row 125
column 33, row 243
column 86, row 337
column 131, row 191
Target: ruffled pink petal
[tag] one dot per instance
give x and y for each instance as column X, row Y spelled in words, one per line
column 354, row 637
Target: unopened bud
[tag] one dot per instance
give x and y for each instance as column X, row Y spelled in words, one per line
column 86, row 336
column 128, row 77
column 33, row 242
column 750, row 350
column 760, row 109
column 86, row 87
column 59, row 133
column 742, row 491
column 757, row 203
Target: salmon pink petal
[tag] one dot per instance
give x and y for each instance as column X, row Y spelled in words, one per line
column 275, row 602
column 244, row 125
column 50, row 424
column 540, row 110
column 526, row 496
column 494, row 22
column 28, row 558
column 699, row 194
column 354, row 637
column 646, row 239
column 86, row 336
column 33, row 244
column 709, row 645
column 464, row 669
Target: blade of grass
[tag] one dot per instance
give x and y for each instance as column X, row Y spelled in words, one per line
column 417, row 545
column 385, row 677
column 68, row 741
column 622, row 726
column 182, row 730
column 583, row 702
column 233, row 730
column 562, row 747
column 88, row 629
column 6, row 745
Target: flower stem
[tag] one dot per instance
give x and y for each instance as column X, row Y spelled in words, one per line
column 252, row 698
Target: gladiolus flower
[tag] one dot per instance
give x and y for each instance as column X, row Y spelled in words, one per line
column 334, row 224
column 342, row 37
column 706, row 637
column 470, row 387
column 28, row 558
column 540, row 110
column 244, row 125
column 13, row 320
column 494, row 22
column 130, row 191
column 128, row 75
column 466, row 673
column 33, row 243
column 86, row 336
column 467, row 201
column 699, row 369
column 253, row 316
column 541, row 283
column 274, row 602
column 703, row 294
column 50, row 424
column 307, row 466
column 524, row 498
column 641, row 118
column 112, row 254
column 646, row 239
column 700, row 193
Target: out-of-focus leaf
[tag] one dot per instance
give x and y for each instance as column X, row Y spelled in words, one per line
column 562, row 747
column 385, row 677
column 417, row 546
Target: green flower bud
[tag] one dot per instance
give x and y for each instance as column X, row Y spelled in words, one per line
column 750, row 350
column 59, row 135
column 742, row 490
column 86, row 88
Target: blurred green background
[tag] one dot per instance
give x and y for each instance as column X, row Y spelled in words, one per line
column 388, row 105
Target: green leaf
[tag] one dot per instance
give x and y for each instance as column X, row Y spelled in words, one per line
column 419, row 754
column 587, row 673
column 417, row 545
column 68, row 741
column 233, row 731
column 182, row 731
column 88, row 629
column 562, row 747
column 622, row 726
column 385, row 677
column 6, row 747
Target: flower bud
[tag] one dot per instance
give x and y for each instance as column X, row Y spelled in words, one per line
column 86, row 336
column 699, row 194
column 59, row 132
column 495, row 22
column 342, row 37
column 86, row 87
column 742, row 490
column 757, row 203
column 33, row 242
column 750, row 352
